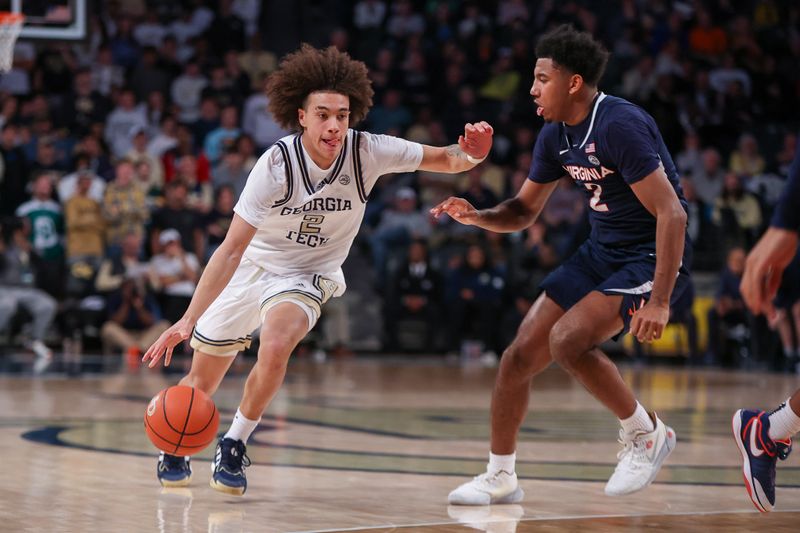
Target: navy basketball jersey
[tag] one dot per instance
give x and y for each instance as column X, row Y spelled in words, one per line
column 616, row 145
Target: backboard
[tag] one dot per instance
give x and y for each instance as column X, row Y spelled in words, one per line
column 50, row 19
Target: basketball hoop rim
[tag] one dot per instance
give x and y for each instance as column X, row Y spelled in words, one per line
column 8, row 17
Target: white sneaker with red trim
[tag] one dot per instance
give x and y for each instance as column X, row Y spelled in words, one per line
column 641, row 458
column 489, row 488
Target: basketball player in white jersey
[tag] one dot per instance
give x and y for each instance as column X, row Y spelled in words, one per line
column 292, row 230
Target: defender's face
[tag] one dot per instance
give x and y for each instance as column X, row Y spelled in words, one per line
column 551, row 87
column 325, row 119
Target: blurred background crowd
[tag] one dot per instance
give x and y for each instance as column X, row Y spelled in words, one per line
column 122, row 156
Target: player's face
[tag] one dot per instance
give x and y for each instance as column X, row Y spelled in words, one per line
column 551, row 87
column 325, row 119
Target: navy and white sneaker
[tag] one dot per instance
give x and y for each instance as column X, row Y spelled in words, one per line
column 759, row 454
column 174, row 471
column 228, row 467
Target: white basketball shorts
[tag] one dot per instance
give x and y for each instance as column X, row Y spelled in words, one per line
column 227, row 325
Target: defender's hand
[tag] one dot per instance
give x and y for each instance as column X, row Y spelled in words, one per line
column 648, row 323
column 176, row 334
column 764, row 268
column 477, row 139
column 458, row 208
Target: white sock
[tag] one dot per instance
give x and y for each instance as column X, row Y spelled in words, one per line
column 502, row 462
column 241, row 427
column 783, row 422
column 638, row 421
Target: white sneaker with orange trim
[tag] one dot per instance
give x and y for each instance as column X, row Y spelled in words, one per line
column 489, row 488
column 641, row 458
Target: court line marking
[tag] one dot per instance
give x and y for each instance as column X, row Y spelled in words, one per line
column 50, row 435
column 489, row 520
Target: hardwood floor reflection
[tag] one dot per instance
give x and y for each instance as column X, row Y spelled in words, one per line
column 377, row 444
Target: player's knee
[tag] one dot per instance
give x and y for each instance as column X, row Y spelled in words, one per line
column 520, row 363
column 565, row 344
column 275, row 351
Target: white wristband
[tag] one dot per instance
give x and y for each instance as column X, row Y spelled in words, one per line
column 475, row 161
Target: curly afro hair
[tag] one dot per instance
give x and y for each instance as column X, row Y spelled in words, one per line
column 310, row 70
column 576, row 51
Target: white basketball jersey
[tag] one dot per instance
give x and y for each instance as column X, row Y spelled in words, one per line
column 307, row 217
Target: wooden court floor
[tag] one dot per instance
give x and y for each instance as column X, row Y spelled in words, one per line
column 376, row 445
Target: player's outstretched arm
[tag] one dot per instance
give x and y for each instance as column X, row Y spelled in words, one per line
column 475, row 143
column 217, row 274
column 508, row 216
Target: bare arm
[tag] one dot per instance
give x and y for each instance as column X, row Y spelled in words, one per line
column 511, row 215
column 476, row 143
column 218, row 273
column 659, row 198
column 220, row 268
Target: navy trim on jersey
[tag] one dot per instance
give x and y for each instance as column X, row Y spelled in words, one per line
column 362, row 194
column 303, row 168
column 289, row 174
column 598, row 99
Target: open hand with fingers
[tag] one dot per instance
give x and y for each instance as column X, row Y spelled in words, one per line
column 764, row 268
column 458, row 208
column 177, row 333
column 648, row 323
column 477, row 139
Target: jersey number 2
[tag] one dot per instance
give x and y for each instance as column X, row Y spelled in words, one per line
column 310, row 224
column 594, row 201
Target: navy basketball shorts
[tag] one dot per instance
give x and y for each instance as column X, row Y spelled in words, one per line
column 625, row 271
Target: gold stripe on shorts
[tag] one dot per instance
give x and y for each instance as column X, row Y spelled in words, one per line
column 219, row 347
column 309, row 299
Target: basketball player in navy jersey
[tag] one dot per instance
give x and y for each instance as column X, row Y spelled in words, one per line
column 764, row 437
column 622, row 278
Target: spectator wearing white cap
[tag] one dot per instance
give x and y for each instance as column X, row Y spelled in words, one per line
column 174, row 273
column 122, row 123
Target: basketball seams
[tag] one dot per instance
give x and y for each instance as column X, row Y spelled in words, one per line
column 210, row 419
column 164, row 409
column 165, row 435
column 186, row 421
column 152, row 430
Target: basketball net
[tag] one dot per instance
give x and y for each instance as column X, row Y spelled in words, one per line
column 10, row 26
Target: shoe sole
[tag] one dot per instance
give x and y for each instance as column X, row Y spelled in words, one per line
column 669, row 446
column 179, row 483
column 749, row 483
column 233, row 491
column 514, row 497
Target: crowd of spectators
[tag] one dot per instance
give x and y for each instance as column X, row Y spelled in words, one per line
column 124, row 154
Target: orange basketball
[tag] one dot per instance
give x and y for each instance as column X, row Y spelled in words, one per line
column 181, row 420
